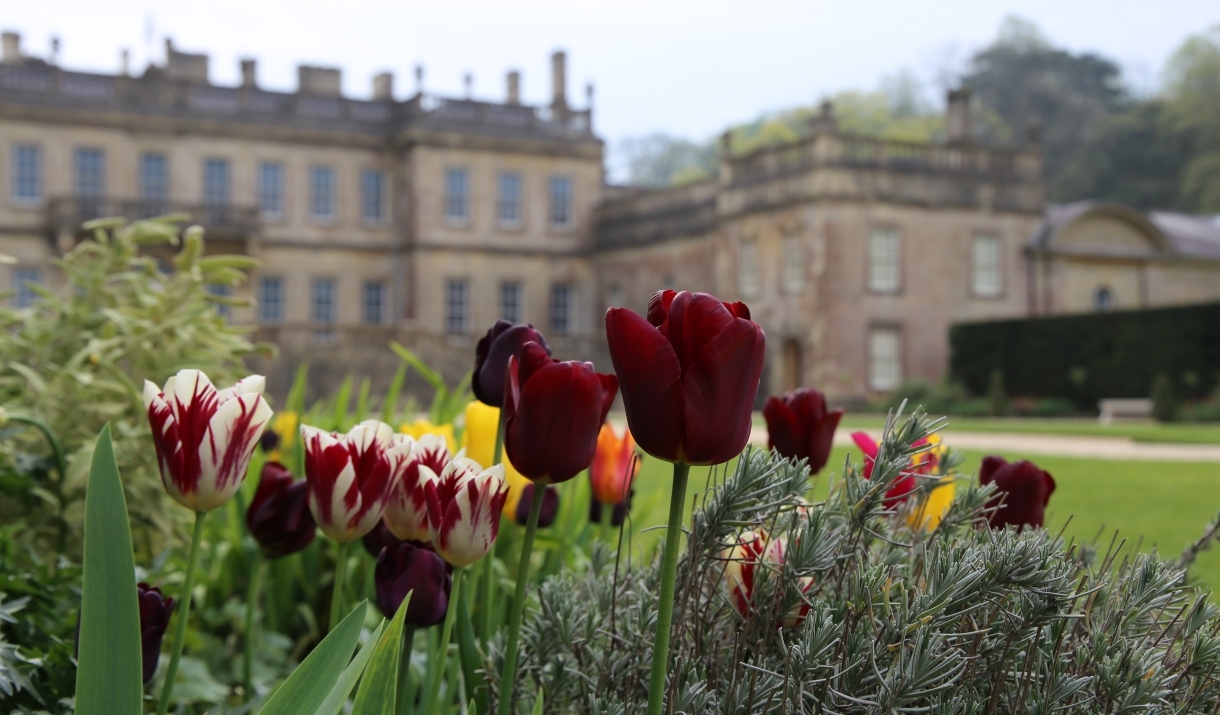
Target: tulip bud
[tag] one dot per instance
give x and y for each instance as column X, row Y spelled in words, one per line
column 1022, row 492
column 155, row 610
column 502, row 341
column 279, row 518
column 464, row 507
column 349, row 476
column 550, row 506
column 407, row 568
column 205, row 437
column 800, row 427
column 406, row 512
column 612, row 471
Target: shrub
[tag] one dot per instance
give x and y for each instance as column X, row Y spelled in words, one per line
column 1165, row 405
column 997, row 397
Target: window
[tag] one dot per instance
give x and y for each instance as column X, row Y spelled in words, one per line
column 457, row 194
column 271, row 190
column 323, row 308
column 154, row 185
column 510, row 302
column 23, row 277
column 1103, row 299
column 561, row 309
column 221, row 291
column 322, row 193
column 985, row 274
column 508, row 204
column 374, row 302
column 457, row 306
column 561, row 201
column 793, row 268
column 27, row 173
column 372, row 196
column 216, row 182
column 271, row 299
column 748, row 283
column 884, row 358
column 884, row 261
column 90, row 165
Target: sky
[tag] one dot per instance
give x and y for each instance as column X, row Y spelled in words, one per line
column 684, row 67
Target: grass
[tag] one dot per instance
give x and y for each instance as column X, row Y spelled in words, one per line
column 1151, row 504
column 1139, row 431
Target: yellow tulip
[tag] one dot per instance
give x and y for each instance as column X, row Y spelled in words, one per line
column 419, row 428
column 285, row 425
column 479, row 441
column 934, row 506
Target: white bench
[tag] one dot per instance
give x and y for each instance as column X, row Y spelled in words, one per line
column 1110, row 410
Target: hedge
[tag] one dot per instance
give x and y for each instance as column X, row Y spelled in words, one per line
column 1089, row 357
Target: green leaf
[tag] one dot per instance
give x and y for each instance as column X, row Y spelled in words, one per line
column 311, row 683
column 379, row 687
column 469, row 654
column 389, row 408
column 109, row 673
column 343, row 399
column 420, row 366
column 362, row 400
column 338, row 694
column 538, row 703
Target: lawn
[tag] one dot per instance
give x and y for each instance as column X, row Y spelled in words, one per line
column 1151, row 504
column 1139, row 431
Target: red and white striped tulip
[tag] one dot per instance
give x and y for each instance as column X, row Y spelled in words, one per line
column 406, row 510
column 205, row 437
column 464, row 505
column 349, row 475
column 754, row 550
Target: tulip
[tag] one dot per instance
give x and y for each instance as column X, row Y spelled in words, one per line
column 550, row 506
column 279, row 518
column 479, row 436
column 935, row 505
column 689, row 375
column 407, row 568
column 613, row 467
column 800, row 427
column 419, row 428
column 1022, row 492
column 502, row 341
column 406, row 511
column 553, row 412
column 155, row 610
column 923, row 463
column 464, row 504
column 283, row 435
column 755, row 550
column 618, row 512
column 379, row 538
column 205, row 437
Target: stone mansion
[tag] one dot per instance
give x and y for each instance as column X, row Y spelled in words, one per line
column 423, row 219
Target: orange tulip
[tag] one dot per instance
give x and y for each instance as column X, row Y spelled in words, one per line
column 611, row 470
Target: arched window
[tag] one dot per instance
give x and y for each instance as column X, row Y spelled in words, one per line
column 1103, row 299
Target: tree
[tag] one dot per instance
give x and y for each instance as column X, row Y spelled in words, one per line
column 660, row 159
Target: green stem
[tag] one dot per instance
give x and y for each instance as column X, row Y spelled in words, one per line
column 508, row 676
column 669, row 572
column 184, row 612
column 430, row 704
column 256, row 586
column 61, row 465
column 336, row 595
column 487, row 580
column 404, row 669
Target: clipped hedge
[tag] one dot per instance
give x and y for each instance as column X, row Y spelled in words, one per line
column 1085, row 358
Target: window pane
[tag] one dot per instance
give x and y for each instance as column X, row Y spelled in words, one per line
column 90, row 172
column 793, row 268
column 322, row 192
column 561, row 309
column 884, row 254
column 748, row 280
column 374, row 302
column 986, row 259
column 323, row 307
column 372, row 196
column 885, row 359
column 457, row 199
column 510, row 302
column 561, row 201
column 216, row 182
column 271, row 299
column 508, row 206
column 457, row 306
column 24, row 296
column 271, row 189
column 27, row 172
column 154, row 185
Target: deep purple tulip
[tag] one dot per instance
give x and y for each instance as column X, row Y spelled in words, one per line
column 155, row 610
column 502, row 341
column 279, row 518
column 379, row 538
column 1023, row 489
column 800, row 426
column 408, row 568
column 550, row 506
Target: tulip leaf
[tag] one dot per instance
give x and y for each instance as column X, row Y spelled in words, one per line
column 109, row 672
column 379, row 687
column 311, row 683
column 469, row 654
column 389, row 408
column 338, row 694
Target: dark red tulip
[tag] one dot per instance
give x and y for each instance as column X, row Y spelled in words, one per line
column 689, row 374
column 800, row 427
column 279, row 518
column 553, row 413
column 408, row 568
column 379, row 538
column 155, row 610
column 502, row 341
column 550, row 506
column 1023, row 488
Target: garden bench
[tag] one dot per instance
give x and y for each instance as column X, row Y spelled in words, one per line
column 1109, row 410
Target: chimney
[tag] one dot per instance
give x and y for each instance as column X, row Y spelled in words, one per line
column 185, row 66
column 54, row 59
column 125, row 62
column 559, row 82
column 957, row 118
column 468, row 82
column 514, row 87
column 419, row 79
column 824, row 122
column 249, row 68
column 12, row 47
column 383, row 87
column 325, row 81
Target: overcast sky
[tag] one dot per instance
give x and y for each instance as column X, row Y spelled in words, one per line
column 686, row 67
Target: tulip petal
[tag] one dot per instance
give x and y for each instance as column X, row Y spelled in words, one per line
column 695, row 319
column 719, row 388
column 550, row 437
column 782, row 428
column 650, row 378
column 224, row 456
